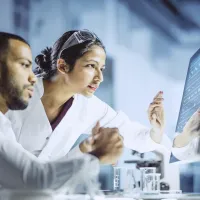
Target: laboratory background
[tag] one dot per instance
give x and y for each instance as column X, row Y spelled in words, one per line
column 149, row 44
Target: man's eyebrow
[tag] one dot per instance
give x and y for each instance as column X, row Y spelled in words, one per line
column 30, row 62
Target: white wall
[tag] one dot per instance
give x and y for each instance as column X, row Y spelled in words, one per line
column 46, row 24
column 6, row 16
column 137, row 82
column 135, row 86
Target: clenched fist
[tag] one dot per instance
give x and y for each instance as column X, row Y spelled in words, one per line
column 105, row 143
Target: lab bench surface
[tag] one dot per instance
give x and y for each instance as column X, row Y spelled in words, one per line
column 156, row 197
column 48, row 195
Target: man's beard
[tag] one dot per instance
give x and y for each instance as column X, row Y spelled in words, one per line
column 15, row 100
column 12, row 94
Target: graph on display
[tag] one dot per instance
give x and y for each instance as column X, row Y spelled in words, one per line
column 191, row 95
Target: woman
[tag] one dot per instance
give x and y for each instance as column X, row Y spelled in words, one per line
column 70, row 72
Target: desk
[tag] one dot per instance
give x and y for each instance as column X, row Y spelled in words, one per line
column 156, row 197
column 49, row 195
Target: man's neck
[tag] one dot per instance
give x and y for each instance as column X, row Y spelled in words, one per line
column 3, row 106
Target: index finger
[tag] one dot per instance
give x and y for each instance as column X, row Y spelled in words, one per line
column 159, row 95
column 193, row 120
column 121, row 137
column 96, row 128
column 196, row 114
column 194, row 117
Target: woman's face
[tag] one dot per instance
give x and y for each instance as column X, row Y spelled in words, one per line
column 87, row 74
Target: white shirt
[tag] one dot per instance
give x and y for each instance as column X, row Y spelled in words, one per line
column 32, row 127
column 20, row 169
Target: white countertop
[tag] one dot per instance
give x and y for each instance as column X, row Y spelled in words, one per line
column 49, row 195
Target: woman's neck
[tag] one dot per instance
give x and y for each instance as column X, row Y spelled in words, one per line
column 55, row 94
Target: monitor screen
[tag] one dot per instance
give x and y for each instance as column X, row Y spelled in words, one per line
column 189, row 105
column 191, row 95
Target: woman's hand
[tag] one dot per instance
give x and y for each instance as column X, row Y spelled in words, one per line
column 156, row 117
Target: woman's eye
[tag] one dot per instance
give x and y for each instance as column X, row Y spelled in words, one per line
column 91, row 65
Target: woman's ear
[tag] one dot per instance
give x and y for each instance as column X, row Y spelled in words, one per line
column 62, row 66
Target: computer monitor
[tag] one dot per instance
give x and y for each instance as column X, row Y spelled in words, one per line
column 189, row 105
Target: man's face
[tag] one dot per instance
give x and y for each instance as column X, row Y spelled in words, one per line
column 16, row 75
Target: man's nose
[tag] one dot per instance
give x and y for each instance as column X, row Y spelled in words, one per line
column 32, row 78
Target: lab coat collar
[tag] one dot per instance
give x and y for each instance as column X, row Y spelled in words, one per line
column 60, row 136
column 4, row 119
column 61, row 133
column 6, row 128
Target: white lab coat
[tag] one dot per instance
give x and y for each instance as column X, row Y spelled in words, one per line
column 32, row 127
column 20, row 169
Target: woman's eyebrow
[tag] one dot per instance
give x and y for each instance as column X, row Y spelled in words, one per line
column 92, row 60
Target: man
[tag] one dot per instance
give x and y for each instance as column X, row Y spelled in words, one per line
column 19, row 168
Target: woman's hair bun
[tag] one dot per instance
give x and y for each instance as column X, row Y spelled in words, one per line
column 43, row 60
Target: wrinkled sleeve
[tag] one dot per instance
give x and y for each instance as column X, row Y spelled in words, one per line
column 20, row 169
column 136, row 136
column 75, row 153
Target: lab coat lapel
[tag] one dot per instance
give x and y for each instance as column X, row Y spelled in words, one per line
column 64, row 135
column 35, row 129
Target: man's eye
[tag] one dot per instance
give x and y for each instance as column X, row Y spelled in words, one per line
column 102, row 69
column 25, row 65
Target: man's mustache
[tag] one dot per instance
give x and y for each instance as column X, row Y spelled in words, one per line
column 28, row 86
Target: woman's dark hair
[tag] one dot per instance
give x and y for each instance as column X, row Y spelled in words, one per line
column 47, row 60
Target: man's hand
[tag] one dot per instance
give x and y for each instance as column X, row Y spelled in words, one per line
column 108, row 145
column 190, row 131
column 105, row 143
column 87, row 145
column 156, row 117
